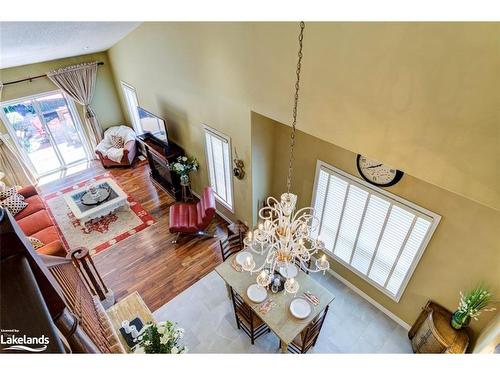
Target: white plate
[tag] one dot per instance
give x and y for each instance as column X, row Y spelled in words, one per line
column 289, row 271
column 256, row 293
column 241, row 256
column 300, row 308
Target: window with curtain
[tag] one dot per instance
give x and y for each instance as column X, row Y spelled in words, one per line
column 132, row 103
column 376, row 234
column 218, row 148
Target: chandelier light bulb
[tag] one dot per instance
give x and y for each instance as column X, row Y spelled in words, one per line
column 248, row 264
column 291, row 286
column 264, row 279
column 322, row 263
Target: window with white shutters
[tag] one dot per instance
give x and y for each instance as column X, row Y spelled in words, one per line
column 218, row 147
column 374, row 233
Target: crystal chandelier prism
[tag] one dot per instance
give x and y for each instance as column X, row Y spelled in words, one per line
column 285, row 235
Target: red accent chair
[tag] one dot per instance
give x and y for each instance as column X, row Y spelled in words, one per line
column 111, row 156
column 129, row 152
column 187, row 218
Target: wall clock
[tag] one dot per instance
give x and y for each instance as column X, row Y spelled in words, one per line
column 377, row 173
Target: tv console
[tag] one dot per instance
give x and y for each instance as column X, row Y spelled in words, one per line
column 160, row 155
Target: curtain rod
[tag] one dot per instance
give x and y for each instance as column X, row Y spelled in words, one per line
column 32, row 78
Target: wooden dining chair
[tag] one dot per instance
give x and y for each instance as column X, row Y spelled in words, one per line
column 301, row 267
column 246, row 319
column 231, row 245
column 308, row 337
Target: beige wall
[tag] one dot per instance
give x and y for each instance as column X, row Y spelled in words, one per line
column 263, row 160
column 105, row 102
column 463, row 251
column 422, row 97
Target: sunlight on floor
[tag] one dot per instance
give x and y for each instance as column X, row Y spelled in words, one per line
column 64, row 173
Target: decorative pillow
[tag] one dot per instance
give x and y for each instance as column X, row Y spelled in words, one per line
column 36, row 243
column 7, row 193
column 15, row 204
column 117, row 141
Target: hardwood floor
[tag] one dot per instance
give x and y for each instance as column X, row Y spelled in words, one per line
column 148, row 262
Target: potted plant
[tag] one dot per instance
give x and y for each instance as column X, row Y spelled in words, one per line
column 183, row 166
column 470, row 306
column 161, row 337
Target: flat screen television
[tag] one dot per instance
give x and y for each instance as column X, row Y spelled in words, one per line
column 153, row 124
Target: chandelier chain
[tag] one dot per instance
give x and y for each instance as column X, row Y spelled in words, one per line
column 295, row 104
column 286, row 237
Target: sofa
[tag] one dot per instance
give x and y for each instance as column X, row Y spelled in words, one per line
column 112, row 156
column 35, row 221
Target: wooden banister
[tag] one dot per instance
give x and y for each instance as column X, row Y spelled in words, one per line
column 84, row 263
column 66, row 294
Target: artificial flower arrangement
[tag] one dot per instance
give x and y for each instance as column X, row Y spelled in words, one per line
column 183, row 166
column 161, row 337
column 470, row 306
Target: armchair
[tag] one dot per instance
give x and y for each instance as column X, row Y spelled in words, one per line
column 113, row 156
column 193, row 219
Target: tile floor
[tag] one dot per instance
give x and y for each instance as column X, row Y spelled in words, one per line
column 352, row 324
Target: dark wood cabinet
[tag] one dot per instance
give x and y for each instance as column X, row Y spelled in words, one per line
column 160, row 155
column 432, row 332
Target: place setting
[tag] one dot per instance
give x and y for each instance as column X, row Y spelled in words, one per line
column 283, row 279
column 238, row 260
column 259, row 295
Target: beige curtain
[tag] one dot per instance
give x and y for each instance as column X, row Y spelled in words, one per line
column 11, row 163
column 78, row 81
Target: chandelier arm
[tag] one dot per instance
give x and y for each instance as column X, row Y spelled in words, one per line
column 270, row 200
column 259, row 268
column 314, row 270
column 303, row 211
column 263, row 210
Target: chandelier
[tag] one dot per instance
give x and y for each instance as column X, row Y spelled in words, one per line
column 286, row 236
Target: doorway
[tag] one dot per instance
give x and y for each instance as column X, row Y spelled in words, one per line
column 47, row 131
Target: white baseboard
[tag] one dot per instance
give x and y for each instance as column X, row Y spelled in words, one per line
column 217, row 211
column 365, row 296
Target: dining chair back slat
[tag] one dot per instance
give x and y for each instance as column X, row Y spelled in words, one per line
column 246, row 319
column 231, row 245
column 309, row 335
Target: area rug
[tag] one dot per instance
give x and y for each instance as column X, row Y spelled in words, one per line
column 101, row 234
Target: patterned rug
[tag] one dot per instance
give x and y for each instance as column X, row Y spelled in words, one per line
column 101, row 234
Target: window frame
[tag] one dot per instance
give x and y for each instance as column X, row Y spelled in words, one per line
column 77, row 122
column 226, row 138
column 391, row 198
column 137, row 127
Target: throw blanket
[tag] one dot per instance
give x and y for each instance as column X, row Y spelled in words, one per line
column 106, row 147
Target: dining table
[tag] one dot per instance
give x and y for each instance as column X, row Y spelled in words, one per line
column 279, row 318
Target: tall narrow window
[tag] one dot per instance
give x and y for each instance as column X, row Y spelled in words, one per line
column 374, row 233
column 218, row 148
column 131, row 100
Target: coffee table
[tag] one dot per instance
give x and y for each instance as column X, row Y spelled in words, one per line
column 117, row 199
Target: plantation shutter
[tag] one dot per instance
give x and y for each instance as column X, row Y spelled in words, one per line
column 219, row 166
column 378, row 235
